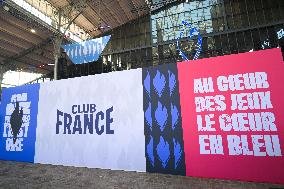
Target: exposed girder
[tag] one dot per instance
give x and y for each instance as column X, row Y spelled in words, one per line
column 9, row 63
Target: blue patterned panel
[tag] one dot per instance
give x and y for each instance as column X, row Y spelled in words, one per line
column 175, row 116
column 172, row 82
column 163, row 130
column 163, row 150
column 148, row 116
column 147, row 84
column 177, row 152
column 159, row 83
column 161, row 116
column 150, row 151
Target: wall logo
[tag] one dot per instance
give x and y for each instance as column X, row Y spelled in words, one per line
column 17, row 121
column 192, row 32
column 85, row 119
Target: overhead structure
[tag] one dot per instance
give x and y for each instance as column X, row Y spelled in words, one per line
column 28, row 28
column 10, row 63
column 70, row 11
column 111, row 13
column 20, row 48
column 22, row 33
column 26, row 34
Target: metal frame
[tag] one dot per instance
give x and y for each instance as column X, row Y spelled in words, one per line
column 20, row 13
column 71, row 11
column 10, row 62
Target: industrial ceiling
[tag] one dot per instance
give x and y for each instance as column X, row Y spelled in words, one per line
column 33, row 51
column 109, row 12
column 17, row 39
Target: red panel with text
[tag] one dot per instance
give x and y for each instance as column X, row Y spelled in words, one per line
column 232, row 116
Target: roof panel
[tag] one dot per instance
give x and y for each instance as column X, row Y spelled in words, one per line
column 110, row 12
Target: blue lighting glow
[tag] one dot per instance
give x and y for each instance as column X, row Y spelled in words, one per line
column 192, row 32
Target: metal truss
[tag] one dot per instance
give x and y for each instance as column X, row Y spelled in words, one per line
column 10, row 63
column 71, row 11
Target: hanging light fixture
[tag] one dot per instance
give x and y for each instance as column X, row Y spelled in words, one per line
column 102, row 26
column 32, row 30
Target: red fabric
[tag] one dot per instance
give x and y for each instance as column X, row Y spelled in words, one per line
column 240, row 167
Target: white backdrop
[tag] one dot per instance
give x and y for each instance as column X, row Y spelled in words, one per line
column 123, row 150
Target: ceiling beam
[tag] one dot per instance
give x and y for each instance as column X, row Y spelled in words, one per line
column 9, row 61
column 40, row 32
column 18, row 42
column 25, row 17
column 135, row 8
column 13, row 47
column 112, row 14
column 24, row 63
column 24, row 34
column 97, row 12
column 80, row 24
column 34, row 58
column 124, row 5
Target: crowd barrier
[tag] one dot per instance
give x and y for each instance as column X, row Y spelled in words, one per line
column 220, row 117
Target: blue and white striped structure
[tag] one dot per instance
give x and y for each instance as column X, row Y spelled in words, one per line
column 86, row 51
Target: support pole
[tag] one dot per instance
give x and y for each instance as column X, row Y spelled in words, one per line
column 57, row 45
column 57, row 41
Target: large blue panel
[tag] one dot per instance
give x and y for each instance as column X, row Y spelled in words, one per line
column 18, row 122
